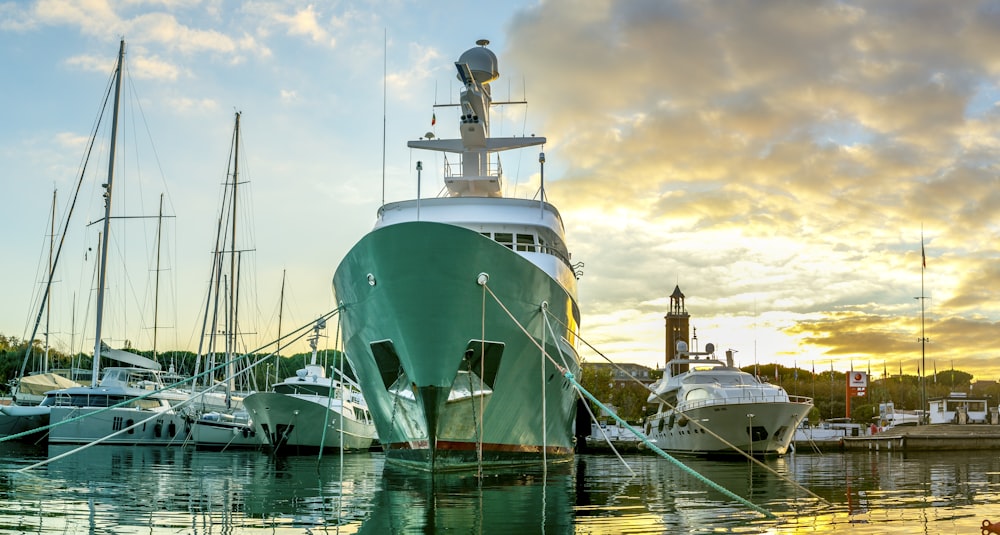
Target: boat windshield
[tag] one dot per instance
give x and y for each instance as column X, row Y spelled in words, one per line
column 724, row 378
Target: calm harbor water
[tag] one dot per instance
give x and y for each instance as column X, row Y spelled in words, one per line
column 151, row 490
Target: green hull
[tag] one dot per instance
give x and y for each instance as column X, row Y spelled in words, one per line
column 452, row 381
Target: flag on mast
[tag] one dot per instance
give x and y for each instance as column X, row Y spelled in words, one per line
column 923, row 257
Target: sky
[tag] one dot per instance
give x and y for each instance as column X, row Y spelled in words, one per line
column 790, row 165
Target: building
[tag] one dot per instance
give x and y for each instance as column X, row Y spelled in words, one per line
column 622, row 373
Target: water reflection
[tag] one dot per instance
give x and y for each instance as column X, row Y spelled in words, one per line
column 519, row 501
column 178, row 490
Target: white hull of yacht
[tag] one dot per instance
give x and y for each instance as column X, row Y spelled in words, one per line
column 297, row 421
column 759, row 429
column 161, row 428
column 17, row 419
column 214, row 434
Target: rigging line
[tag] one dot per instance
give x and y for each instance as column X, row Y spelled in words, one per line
column 607, row 438
column 475, row 422
column 326, row 413
column 696, row 423
column 545, row 436
column 587, row 405
column 343, row 393
column 89, row 445
column 675, row 462
column 197, row 395
column 482, row 373
column 525, row 331
column 69, row 214
column 385, row 53
column 562, row 355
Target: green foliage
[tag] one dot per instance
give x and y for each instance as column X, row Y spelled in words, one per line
column 628, row 397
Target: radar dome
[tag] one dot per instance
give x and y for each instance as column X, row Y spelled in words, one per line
column 681, row 346
column 482, row 62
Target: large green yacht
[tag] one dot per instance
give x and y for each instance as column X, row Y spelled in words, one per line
column 459, row 312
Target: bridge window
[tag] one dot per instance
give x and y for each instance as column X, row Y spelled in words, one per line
column 504, row 238
column 526, row 242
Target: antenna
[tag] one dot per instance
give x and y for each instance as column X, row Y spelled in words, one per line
column 385, row 54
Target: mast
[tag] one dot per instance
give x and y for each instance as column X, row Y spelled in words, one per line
column 480, row 174
column 231, row 340
column 48, row 295
column 103, row 259
column 923, row 334
column 156, row 294
column 281, row 310
column 233, row 266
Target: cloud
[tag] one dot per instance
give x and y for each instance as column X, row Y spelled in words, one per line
column 189, row 105
column 780, row 155
column 304, row 22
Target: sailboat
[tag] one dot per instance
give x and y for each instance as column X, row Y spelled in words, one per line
column 27, row 391
column 313, row 411
column 130, row 404
column 222, row 421
column 460, row 312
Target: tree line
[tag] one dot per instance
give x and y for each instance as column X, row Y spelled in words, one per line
column 13, row 352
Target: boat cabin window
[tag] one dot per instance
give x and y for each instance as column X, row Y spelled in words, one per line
column 697, row 393
column 526, row 242
column 505, row 239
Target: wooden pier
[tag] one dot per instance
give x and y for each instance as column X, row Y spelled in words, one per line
column 936, row 437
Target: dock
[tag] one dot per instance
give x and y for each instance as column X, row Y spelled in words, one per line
column 936, row 437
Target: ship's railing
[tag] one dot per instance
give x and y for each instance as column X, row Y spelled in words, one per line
column 493, row 167
column 740, row 400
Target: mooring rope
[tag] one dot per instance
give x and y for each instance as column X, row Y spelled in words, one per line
column 732, row 446
column 566, row 373
column 173, row 408
column 545, row 412
column 661, row 453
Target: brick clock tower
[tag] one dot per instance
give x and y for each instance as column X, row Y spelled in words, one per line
column 676, row 323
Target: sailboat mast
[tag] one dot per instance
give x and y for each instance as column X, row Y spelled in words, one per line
column 48, row 295
column 281, row 311
column 923, row 332
column 102, row 277
column 156, row 290
column 232, row 256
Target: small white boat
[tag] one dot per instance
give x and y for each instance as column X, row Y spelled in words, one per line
column 708, row 407
column 219, row 430
column 313, row 411
column 828, row 433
